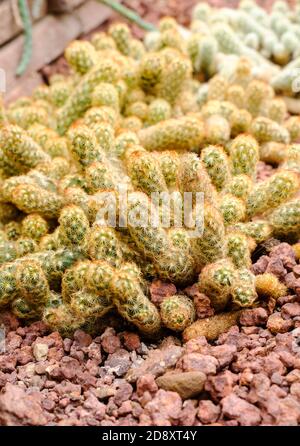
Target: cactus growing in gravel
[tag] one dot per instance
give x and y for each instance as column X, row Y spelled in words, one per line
column 177, row 312
column 142, row 118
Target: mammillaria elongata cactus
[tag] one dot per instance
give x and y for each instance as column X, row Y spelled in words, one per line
column 135, row 117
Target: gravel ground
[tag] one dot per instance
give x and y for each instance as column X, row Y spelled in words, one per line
column 248, row 376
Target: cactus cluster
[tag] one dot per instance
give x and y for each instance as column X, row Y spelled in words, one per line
column 135, row 117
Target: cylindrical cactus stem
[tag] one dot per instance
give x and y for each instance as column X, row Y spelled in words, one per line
column 265, row 130
column 99, row 177
column 103, row 244
column 159, row 110
column 25, row 117
column 8, row 285
column 132, row 304
column 286, row 218
column 176, row 265
column 81, row 56
column 240, row 122
column 216, row 163
column 81, row 97
column 23, row 310
column 86, row 304
column 21, row 150
column 257, row 93
column 151, row 239
column 180, row 239
column 177, row 312
column 34, row 226
column 210, row 246
column 244, row 155
column 8, row 251
column 235, row 94
column 272, row 192
column 25, row 246
column 74, row 227
column 186, row 133
column 217, row 130
column 216, row 281
column 244, row 293
column 62, row 318
column 193, row 177
column 258, row 230
column 276, row 110
column 106, row 94
column 74, row 279
column 84, row 146
column 232, row 208
column 273, row 152
column 292, row 124
column 32, row 283
column 33, row 199
column 268, row 285
column 101, row 41
column 177, row 69
column 144, row 170
column 121, row 34
column 238, row 249
column 99, row 277
column 169, row 162
column 240, row 186
column 124, row 141
column 217, row 87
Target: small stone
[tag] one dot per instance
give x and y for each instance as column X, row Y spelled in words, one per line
column 83, row 339
column 160, row 290
column 186, row 384
column 146, row 383
column 238, row 409
column 131, row 341
column 192, row 362
column 208, row 412
column 40, row 351
column 255, row 316
column 276, row 324
column 118, row 362
column 290, row 310
column 109, row 341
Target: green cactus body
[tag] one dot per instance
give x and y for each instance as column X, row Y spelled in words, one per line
column 133, row 305
column 186, row 133
column 286, row 218
column 272, row 192
column 232, row 208
column 244, row 293
column 244, row 155
column 238, row 249
column 216, row 163
column 177, row 312
column 81, row 56
column 216, row 281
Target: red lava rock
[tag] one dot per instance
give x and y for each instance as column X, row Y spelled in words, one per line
column 164, row 408
column 123, row 392
column 256, row 316
column 118, row 362
column 48, row 405
column 276, row 267
column 67, row 343
column 224, row 354
column 69, row 367
column 285, row 253
column 92, row 404
column 157, row 362
column 125, row 408
column 188, row 413
column 220, row 385
column 146, row 383
column 18, row 408
column 273, row 364
column 208, row 412
column 290, row 310
column 197, row 362
column 160, row 290
column 131, row 341
column 24, row 355
column 276, row 324
column 109, row 341
column 83, row 339
column 69, row 390
column 201, row 301
column 8, row 363
column 238, row 409
column 261, row 265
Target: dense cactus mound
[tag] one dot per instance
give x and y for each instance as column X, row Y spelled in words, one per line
column 136, row 124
